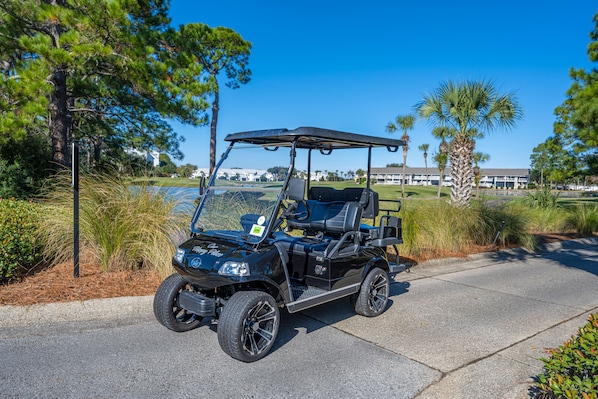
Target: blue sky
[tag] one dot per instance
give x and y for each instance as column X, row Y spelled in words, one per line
column 354, row 66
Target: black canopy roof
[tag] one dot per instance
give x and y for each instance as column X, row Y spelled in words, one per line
column 313, row 137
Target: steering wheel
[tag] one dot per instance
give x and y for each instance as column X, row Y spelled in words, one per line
column 290, row 213
column 307, row 212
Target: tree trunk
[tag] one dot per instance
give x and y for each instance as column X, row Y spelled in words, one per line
column 97, row 150
column 427, row 175
column 461, row 157
column 58, row 123
column 440, row 181
column 404, row 165
column 213, row 124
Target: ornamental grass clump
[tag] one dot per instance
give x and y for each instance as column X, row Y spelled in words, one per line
column 436, row 228
column 121, row 226
column 582, row 218
column 538, row 219
column 572, row 370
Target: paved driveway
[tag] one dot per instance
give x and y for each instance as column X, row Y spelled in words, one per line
column 454, row 329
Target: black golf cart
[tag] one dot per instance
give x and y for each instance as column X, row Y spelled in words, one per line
column 257, row 246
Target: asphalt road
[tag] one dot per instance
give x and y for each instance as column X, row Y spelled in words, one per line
column 454, row 329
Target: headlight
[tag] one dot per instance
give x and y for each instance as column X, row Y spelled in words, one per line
column 180, row 254
column 233, row 268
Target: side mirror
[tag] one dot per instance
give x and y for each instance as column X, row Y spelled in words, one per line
column 202, row 185
column 296, row 189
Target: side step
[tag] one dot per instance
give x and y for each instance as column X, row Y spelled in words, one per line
column 396, row 268
column 308, row 297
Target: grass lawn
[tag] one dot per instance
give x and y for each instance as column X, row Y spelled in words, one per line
column 384, row 191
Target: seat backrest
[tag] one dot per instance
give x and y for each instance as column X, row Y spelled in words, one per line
column 329, row 218
column 322, row 194
column 343, row 217
column 296, row 189
column 369, row 200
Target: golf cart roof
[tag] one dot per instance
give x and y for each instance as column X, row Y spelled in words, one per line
column 314, row 138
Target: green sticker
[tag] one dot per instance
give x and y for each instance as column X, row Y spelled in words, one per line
column 257, row 230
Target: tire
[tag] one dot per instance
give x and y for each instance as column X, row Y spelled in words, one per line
column 166, row 308
column 372, row 298
column 248, row 325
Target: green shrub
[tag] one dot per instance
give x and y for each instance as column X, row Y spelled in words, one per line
column 572, row 369
column 19, row 247
column 24, row 166
column 542, row 198
column 121, row 226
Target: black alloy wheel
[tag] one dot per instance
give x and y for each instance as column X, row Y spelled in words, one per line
column 373, row 295
column 167, row 309
column 248, row 325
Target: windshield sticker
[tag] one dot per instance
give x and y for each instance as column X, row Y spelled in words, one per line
column 261, row 220
column 257, row 230
column 212, row 249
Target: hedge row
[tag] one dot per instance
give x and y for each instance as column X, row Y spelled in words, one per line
column 572, row 370
column 19, row 248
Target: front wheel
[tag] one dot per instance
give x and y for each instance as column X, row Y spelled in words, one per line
column 167, row 309
column 372, row 298
column 248, row 325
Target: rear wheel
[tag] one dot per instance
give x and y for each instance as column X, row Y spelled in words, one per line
column 373, row 295
column 248, row 325
column 167, row 309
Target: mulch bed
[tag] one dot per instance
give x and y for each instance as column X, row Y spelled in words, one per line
column 57, row 284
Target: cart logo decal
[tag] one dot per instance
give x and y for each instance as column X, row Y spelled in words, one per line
column 195, row 262
column 257, row 230
column 212, row 249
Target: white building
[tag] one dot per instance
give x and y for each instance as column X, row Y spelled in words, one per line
column 238, row 174
column 153, row 157
column 491, row 178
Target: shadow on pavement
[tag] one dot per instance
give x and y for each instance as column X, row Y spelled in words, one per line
column 321, row 316
column 577, row 257
column 577, row 254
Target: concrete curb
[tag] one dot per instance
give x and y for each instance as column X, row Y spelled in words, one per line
column 128, row 308
column 123, row 308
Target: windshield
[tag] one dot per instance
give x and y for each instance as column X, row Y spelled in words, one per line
column 239, row 202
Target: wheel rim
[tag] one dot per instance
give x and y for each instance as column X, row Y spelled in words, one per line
column 259, row 328
column 182, row 315
column 378, row 293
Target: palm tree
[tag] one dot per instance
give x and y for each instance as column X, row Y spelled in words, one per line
column 441, row 158
column 424, row 148
column 359, row 173
column 317, row 174
column 405, row 123
column 471, row 109
column 478, row 158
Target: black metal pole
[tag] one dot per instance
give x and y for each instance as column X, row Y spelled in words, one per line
column 502, row 225
column 75, row 181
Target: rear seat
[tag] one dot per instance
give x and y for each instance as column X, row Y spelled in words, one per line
column 334, row 223
column 329, row 218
